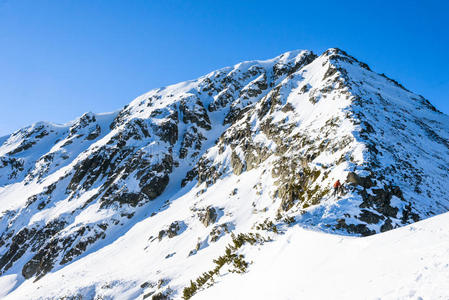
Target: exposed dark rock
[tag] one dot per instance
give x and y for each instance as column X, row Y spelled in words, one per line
column 24, row 146
column 219, row 230
column 287, row 107
column 386, row 226
column 330, row 71
column 192, row 139
column 370, row 217
column 191, row 175
column 353, row 178
column 19, row 245
column 361, row 229
column 168, row 131
column 206, row 172
column 381, row 200
column 305, row 88
column 209, row 216
column 195, row 114
column 155, row 187
column 94, row 134
column 39, row 240
column 236, row 163
column 175, row 228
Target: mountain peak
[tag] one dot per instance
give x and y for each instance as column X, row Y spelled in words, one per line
column 235, row 156
column 338, row 55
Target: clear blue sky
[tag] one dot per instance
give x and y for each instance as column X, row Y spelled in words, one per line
column 60, row 58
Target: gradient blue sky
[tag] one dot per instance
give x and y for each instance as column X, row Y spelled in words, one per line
column 60, row 58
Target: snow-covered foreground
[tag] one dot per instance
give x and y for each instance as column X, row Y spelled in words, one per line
column 406, row 263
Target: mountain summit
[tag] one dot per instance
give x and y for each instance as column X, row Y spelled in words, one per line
column 177, row 184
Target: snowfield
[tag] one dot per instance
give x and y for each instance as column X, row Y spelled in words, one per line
column 406, row 263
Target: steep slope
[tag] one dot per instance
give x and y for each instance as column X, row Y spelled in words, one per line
column 95, row 188
column 159, row 186
column 333, row 119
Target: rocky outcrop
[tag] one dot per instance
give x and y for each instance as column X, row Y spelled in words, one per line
column 354, row 179
column 175, row 228
column 209, row 216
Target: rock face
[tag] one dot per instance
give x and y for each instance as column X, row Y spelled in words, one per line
column 209, row 216
column 173, row 230
column 295, row 123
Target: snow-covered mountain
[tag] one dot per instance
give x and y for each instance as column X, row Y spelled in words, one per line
column 170, row 194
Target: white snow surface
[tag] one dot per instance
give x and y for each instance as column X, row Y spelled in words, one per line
column 405, row 263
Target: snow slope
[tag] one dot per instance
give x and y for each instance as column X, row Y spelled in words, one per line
column 406, row 263
column 163, row 197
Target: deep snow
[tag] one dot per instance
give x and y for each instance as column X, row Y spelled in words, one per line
column 406, row 263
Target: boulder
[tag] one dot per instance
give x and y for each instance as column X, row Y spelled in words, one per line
column 354, row 179
column 209, row 217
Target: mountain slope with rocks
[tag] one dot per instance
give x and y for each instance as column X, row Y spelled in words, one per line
column 159, row 198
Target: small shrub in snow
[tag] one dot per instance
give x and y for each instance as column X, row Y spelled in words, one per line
column 230, row 257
